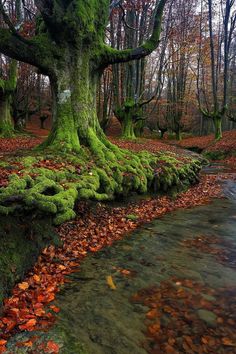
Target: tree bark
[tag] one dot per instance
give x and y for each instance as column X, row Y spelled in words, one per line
column 127, row 127
column 178, row 134
column 6, row 122
column 218, row 127
column 7, row 88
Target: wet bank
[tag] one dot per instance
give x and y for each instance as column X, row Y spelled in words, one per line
column 191, row 251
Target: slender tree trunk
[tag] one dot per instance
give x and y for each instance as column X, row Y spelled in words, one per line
column 178, row 134
column 7, row 89
column 6, row 122
column 139, row 127
column 218, row 127
column 163, row 133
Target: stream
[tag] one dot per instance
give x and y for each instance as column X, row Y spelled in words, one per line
column 174, row 283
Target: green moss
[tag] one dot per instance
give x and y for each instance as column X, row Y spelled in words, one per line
column 21, row 240
column 132, row 217
column 28, row 161
column 101, row 172
column 216, row 155
column 67, row 215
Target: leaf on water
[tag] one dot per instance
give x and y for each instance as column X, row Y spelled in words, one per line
column 110, row 282
column 3, row 342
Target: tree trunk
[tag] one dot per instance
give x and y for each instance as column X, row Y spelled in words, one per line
column 127, row 127
column 139, row 128
column 178, row 134
column 6, row 122
column 218, row 127
column 74, row 106
column 163, row 133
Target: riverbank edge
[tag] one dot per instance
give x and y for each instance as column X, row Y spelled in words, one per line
column 94, row 228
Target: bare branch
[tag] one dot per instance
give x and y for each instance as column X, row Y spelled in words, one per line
column 112, row 56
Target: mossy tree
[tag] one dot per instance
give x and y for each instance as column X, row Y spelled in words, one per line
column 70, row 49
column 128, row 28
column 214, row 104
column 130, row 114
column 7, row 88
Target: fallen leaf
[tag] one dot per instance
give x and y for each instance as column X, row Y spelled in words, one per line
column 52, row 347
column 110, row 282
column 23, row 286
column 36, row 278
column 54, row 308
column 28, row 325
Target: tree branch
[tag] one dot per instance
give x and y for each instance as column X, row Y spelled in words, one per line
column 146, row 102
column 112, row 56
column 124, row 20
column 35, row 52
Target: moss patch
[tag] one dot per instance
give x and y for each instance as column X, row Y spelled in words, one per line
column 52, row 183
column 22, row 238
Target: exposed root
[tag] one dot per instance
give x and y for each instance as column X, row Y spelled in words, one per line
column 101, row 171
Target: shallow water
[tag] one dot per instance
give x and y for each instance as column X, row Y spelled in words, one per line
column 96, row 319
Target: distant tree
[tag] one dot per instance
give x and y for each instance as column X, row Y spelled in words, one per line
column 129, row 27
column 7, row 89
column 213, row 102
column 104, row 99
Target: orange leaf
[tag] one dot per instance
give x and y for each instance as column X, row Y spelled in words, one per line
column 50, row 289
column 28, row 325
column 52, row 347
column 62, row 267
column 3, row 341
column 228, row 342
column 54, row 309
column 50, row 297
column 110, row 282
column 23, row 286
column 2, row 349
column 27, row 344
column 36, row 278
column 9, row 323
column 39, row 312
column 41, row 298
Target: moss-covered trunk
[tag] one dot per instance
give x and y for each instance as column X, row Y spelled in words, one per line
column 74, row 104
column 218, row 127
column 6, row 122
column 139, row 128
column 178, row 135
column 7, row 88
column 127, row 127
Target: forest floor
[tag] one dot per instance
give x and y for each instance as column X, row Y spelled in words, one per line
column 224, row 149
column 97, row 225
